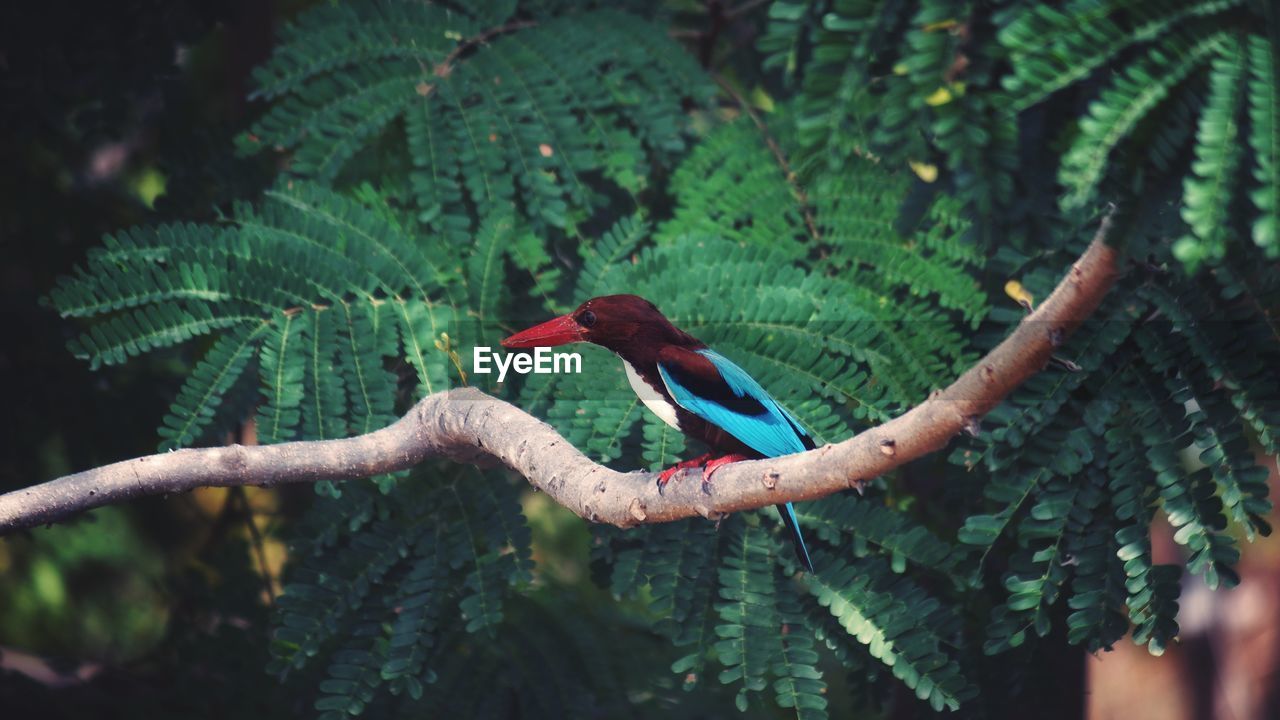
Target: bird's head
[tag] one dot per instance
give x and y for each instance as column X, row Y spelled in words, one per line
column 616, row 322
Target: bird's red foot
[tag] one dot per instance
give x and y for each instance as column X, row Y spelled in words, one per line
column 665, row 476
column 715, row 464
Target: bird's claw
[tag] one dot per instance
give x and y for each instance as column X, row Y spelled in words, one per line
column 708, row 469
column 665, row 477
column 713, row 465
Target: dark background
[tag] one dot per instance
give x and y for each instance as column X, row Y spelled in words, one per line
column 117, row 114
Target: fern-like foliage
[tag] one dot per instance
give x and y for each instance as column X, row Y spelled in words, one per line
column 486, row 112
column 377, row 595
column 1081, row 460
column 751, row 632
column 1264, row 139
column 893, row 80
column 964, row 80
column 729, row 594
column 899, row 624
column 1170, row 43
column 842, row 230
column 1116, row 114
column 868, row 525
column 313, row 289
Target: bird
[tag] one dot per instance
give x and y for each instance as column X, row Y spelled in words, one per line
column 689, row 386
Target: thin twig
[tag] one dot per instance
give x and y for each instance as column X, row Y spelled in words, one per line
column 802, row 197
column 444, row 68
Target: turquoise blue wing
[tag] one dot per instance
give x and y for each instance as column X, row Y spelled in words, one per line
column 712, row 387
column 733, row 401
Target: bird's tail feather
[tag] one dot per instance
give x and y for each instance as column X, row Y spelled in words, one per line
column 797, row 540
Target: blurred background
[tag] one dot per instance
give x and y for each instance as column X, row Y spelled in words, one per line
column 116, row 114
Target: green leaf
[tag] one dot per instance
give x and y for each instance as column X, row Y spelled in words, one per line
column 212, row 377
column 1264, row 139
column 1208, row 190
column 1122, row 105
column 894, row 621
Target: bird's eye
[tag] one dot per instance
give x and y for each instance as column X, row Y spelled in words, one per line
column 587, row 319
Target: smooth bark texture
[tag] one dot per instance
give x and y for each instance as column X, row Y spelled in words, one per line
column 467, row 425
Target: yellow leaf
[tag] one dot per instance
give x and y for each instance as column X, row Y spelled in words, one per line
column 941, row 96
column 149, row 185
column 762, row 99
column 900, row 69
column 941, row 25
column 1015, row 290
column 924, row 171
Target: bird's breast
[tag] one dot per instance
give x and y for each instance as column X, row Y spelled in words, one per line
column 657, row 403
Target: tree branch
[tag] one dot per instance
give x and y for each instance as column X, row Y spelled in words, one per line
column 469, row 426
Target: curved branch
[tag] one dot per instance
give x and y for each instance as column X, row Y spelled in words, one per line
column 469, row 426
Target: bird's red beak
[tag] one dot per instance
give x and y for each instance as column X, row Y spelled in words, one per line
column 560, row 331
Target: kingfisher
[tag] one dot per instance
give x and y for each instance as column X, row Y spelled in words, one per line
column 689, row 386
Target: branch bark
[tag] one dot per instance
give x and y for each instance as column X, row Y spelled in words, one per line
column 469, row 426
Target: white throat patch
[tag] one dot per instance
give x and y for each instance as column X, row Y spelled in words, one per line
column 651, row 398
